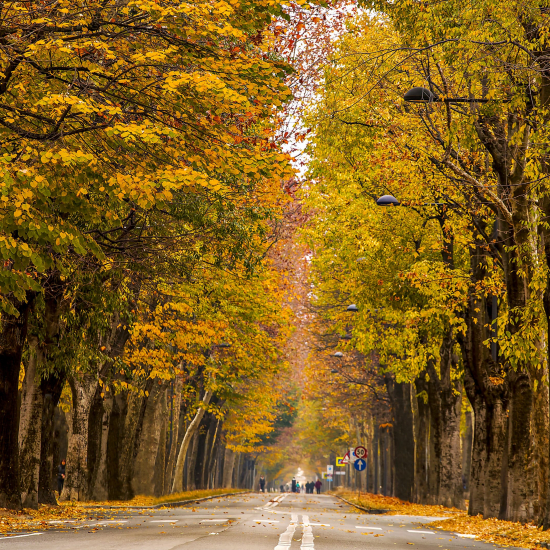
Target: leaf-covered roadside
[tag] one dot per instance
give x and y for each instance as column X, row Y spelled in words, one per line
column 505, row 533
column 394, row 506
column 52, row 517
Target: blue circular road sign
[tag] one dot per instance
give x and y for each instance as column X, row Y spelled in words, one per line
column 360, row 464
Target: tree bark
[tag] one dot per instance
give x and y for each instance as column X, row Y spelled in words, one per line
column 13, row 334
column 422, row 434
column 175, row 422
column 228, row 466
column 403, row 437
column 191, row 430
column 143, row 477
column 76, row 485
column 519, row 504
column 51, row 388
column 99, row 489
column 30, row 428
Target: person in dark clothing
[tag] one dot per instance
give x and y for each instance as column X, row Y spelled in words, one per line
column 282, row 488
column 262, row 484
column 309, row 487
column 60, row 477
column 293, row 484
column 318, row 485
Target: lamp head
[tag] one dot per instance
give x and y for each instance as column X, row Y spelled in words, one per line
column 420, row 95
column 387, row 200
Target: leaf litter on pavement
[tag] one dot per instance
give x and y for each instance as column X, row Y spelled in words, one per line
column 504, row 533
column 67, row 513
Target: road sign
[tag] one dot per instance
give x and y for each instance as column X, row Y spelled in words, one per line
column 361, row 452
column 330, row 469
column 340, row 473
column 345, row 458
column 326, row 476
column 360, row 464
column 340, row 461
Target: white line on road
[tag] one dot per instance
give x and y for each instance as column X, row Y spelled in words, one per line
column 421, row 532
column 164, row 521
column 214, row 521
column 464, row 536
column 112, row 521
column 19, row 536
column 285, row 539
column 62, row 521
column 365, row 527
column 307, row 534
column 320, row 524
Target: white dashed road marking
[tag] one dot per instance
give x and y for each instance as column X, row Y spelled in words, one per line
column 364, row 527
column 285, row 539
column 420, row 532
column 307, row 534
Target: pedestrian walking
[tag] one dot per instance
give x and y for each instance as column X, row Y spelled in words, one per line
column 294, row 482
column 60, row 476
column 298, row 488
column 262, row 484
column 318, row 485
column 282, row 488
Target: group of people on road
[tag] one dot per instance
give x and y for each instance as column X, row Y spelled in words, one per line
column 308, row 487
column 295, row 487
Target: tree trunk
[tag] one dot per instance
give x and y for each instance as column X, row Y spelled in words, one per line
column 192, row 428
column 228, row 467
column 479, row 449
column 13, row 334
column 422, row 432
column 30, row 430
column 160, row 463
column 143, row 479
column 76, row 473
column 519, row 504
column 376, row 456
column 175, row 427
column 130, row 440
column 200, row 457
column 403, row 437
column 51, row 387
column 99, row 489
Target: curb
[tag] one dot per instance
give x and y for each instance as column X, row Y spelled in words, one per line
column 168, row 504
column 368, row 510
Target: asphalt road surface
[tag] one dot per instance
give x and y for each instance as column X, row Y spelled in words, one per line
column 244, row 522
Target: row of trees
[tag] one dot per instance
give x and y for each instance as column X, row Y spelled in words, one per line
column 140, row 182
column 451, row 286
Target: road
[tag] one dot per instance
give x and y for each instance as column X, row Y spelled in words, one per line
column 244, row 522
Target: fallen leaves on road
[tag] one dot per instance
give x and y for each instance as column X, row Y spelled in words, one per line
column 67, row 513
column 392, row 505
column 504, row 533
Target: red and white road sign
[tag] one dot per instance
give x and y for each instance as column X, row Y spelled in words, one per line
column 361, row 452
column 345, row 460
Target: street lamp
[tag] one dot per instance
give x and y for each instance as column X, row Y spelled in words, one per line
column 387, row 200
column 423, row 95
